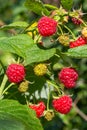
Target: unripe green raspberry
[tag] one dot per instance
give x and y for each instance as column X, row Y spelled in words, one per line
column 64, row 40
column 40, row 69
column 23, row 87
column 49, row 115
column 84, row 32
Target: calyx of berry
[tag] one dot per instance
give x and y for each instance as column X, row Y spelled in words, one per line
column 75, row 13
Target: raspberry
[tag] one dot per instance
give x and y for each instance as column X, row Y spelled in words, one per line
column 76, row 21
column 64, row 40
column 40, row 69
column 68, row 76
column 39, row 108
column 23, row 87
column 47, row 26
column 49, row 115
column 69, row 83
column 63, row 104
column 15, row 73
column 79, row 42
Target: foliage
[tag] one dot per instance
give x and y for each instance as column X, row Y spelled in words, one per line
column 21, row 43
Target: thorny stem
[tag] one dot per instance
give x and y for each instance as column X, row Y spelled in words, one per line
column 70, row 32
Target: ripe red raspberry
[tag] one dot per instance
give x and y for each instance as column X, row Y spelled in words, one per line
column 47, row 26
column 39, row 108
column 15, row 73
column 69, row 83
column 76, row 21
column 79, row 42
column 68, row 77
column 63, row 104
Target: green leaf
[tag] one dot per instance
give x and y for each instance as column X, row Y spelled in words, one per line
column 36, row 6
column 18, row 24
column 67, row 4
column 23, row 46
column 78, row 52
column 36, row 54
column 14, row 116
column 16, row 44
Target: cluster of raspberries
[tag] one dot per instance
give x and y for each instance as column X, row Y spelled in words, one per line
column 67, row 76
column 48, row 26
column 81, row 40
column 16, row 73
column 62, row 105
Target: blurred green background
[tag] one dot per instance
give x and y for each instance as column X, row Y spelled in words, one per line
column 14, row 10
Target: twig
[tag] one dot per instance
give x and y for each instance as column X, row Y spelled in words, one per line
column 83, row 115
column 76, row 100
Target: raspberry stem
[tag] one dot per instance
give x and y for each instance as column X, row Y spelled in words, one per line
column 18, row 60
column 54, row 85
column 48, row 100
column 60, row 29
column 37, row 39
column 83, row 22
column 7, row 88
column 27, row 102
column 4, row 81
column 70, row 32
column 62, row 57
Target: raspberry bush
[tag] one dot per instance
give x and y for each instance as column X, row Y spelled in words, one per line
column 40, row 66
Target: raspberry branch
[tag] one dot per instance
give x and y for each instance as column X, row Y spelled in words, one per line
column 83, row 23
column 48, row 99
column 9, row 86
column 70, row 32
column 55, row 86
column 4, row 81
column 60, row 29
